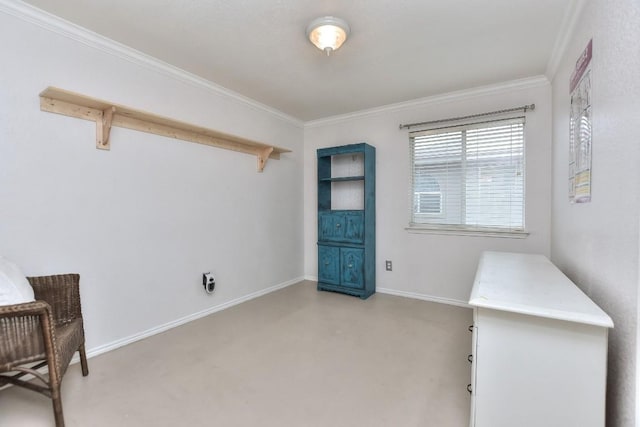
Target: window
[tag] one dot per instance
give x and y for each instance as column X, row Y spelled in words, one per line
column 469, row 177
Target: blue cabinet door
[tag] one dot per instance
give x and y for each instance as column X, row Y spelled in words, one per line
column 341, row 226
column 352, row 271
column 354, row 227
column 329, row 264
column 331, row 226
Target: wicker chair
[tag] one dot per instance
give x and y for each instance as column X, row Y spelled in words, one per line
column 46, row 332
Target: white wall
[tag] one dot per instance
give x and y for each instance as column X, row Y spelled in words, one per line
column 596, row 244
column 429, row 265
column 141, row 222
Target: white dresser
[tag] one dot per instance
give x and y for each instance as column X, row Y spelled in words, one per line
column 539, row 346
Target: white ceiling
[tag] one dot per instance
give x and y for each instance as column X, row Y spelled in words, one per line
column 398, row 50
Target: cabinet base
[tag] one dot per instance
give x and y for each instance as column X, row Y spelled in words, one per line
column 362, row 293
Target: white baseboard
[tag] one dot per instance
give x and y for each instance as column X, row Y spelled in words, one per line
column 186, row 319
column 413, row 295
column 170, row 325
column 423, row 297
column 181, row 321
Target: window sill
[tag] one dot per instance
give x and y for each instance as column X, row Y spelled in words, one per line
column 420, row 229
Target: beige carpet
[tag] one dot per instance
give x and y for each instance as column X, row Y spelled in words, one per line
column 296, row 357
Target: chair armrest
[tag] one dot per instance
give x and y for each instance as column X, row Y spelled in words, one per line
column 34, row 308
column 62, row 292
column 26, row 333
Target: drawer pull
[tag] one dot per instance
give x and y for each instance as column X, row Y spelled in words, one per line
column 470, row 358
column 326, row 263
column 470, row 328
column 338, row 225
column 350, row 266
column 469, row 388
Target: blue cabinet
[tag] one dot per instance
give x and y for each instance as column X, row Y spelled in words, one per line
column 346, row 219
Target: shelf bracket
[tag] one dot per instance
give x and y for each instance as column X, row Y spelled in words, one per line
column 263, row 156
column 103, row 128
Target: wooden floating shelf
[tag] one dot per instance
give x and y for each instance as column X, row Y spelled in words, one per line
column 107, row 114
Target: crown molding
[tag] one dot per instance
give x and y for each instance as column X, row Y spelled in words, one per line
column 526, row 83
column 55, row 24
column 569, row 23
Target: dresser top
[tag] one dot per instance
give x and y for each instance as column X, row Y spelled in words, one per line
column 531, row 284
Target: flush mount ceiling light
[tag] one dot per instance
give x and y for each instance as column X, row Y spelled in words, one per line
column 328, row 33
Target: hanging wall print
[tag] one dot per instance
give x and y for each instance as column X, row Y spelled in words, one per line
column 580, row 129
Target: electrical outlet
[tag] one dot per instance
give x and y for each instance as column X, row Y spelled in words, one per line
column 209, row 282
column 388, row 265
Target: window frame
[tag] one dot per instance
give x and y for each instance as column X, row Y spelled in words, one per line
column 463, row 229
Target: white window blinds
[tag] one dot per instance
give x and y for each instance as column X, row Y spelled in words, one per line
column 469, row 177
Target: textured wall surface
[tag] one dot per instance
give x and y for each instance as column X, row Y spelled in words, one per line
column 440, row 267
column 596, row 244
column 141, row 222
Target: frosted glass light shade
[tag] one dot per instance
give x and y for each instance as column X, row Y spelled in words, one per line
column 328, row 33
